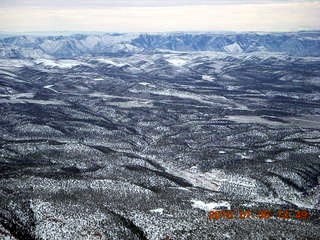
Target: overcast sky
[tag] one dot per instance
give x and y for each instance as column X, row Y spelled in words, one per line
column 159, row 15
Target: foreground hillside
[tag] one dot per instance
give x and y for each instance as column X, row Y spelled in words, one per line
column 143, row 145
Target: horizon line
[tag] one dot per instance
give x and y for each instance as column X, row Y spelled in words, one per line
column 75, row 32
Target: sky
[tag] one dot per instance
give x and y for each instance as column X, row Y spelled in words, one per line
column 159, row 15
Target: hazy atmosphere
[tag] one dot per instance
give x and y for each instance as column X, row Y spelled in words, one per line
column 156, row 15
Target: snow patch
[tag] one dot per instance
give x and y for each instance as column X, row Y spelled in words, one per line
column 21, row 95
column 207, row 78
column 40, row 102
column 50, row 87
column 144, row 83
column 181, row 188
column 178, row 62
column 64, row 64
column 243, row 155
column 12, row 64
column 110, row 61
column 194, row 169
column 253, row 119
column 210, row 206
column 233, row 48
column 212, row 99
column 227, row 235
column 158, row 210
column 132, row 104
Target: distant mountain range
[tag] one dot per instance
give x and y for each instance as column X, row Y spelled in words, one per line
column 300, row 44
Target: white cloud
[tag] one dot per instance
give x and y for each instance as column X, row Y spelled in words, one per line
column 284, row 16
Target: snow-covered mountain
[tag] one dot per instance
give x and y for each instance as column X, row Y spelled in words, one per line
column 293, row 44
